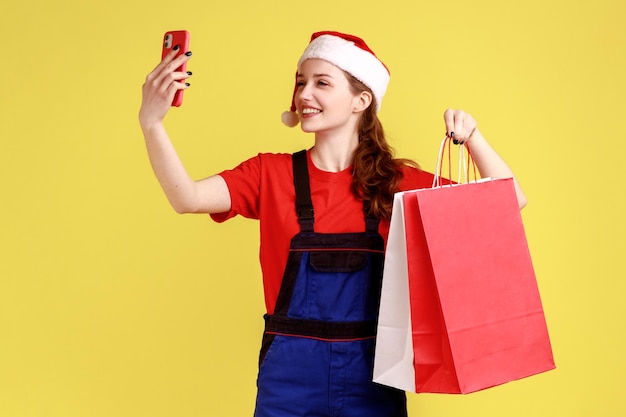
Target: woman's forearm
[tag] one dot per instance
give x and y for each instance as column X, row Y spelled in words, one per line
column 490, row 164
column 179, row 188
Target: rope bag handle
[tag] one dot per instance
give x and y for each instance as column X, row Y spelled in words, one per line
column 463, row 165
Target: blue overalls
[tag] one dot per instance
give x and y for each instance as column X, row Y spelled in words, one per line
column 318, row 347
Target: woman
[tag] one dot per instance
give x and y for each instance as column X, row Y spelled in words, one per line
column 324, row 216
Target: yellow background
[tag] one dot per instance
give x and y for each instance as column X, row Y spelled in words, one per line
column 113, row 305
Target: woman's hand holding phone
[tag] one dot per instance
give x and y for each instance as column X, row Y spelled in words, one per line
column 164, row 86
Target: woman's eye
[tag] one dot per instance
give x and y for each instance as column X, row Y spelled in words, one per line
column 322, row 83
column 300, row 84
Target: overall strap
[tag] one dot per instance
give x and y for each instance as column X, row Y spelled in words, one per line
column 371, row 224
column 304, row 205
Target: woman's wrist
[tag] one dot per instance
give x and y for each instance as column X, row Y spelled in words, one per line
column 148, row 126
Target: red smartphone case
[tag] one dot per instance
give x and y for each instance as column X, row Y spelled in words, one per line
column 170, row 40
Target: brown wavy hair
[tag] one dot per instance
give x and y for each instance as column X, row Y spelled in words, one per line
column 377, row 174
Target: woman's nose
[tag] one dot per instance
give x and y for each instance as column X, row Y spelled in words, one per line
column 304, row 92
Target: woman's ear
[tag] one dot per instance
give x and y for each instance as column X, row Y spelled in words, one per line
column 363, row 101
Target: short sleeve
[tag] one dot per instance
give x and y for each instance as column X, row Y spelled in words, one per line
column 243, row 185
column 415, row 178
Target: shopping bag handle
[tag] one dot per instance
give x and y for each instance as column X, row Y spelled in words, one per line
column 463, row 167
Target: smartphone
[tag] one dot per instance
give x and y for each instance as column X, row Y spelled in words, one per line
column 170, row 40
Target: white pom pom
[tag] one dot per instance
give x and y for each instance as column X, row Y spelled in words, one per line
column 290, row 119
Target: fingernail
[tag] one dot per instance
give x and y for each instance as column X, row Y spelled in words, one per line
column 188, row 53
column 187, row 84
column 188, row 72
column 451, row 134
column 176, row 47
column 456, row 142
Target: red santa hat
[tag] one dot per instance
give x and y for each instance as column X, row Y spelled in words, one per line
column 350, row 54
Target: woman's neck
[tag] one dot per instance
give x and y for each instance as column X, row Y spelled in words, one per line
column 334, row 153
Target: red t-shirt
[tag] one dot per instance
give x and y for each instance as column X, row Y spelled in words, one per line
column 262, row 188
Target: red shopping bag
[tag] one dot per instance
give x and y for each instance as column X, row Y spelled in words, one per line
column 460, row 307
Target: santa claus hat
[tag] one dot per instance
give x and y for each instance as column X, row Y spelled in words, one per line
column 350, row 54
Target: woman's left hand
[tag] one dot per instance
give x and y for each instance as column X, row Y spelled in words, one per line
column 460, row 126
